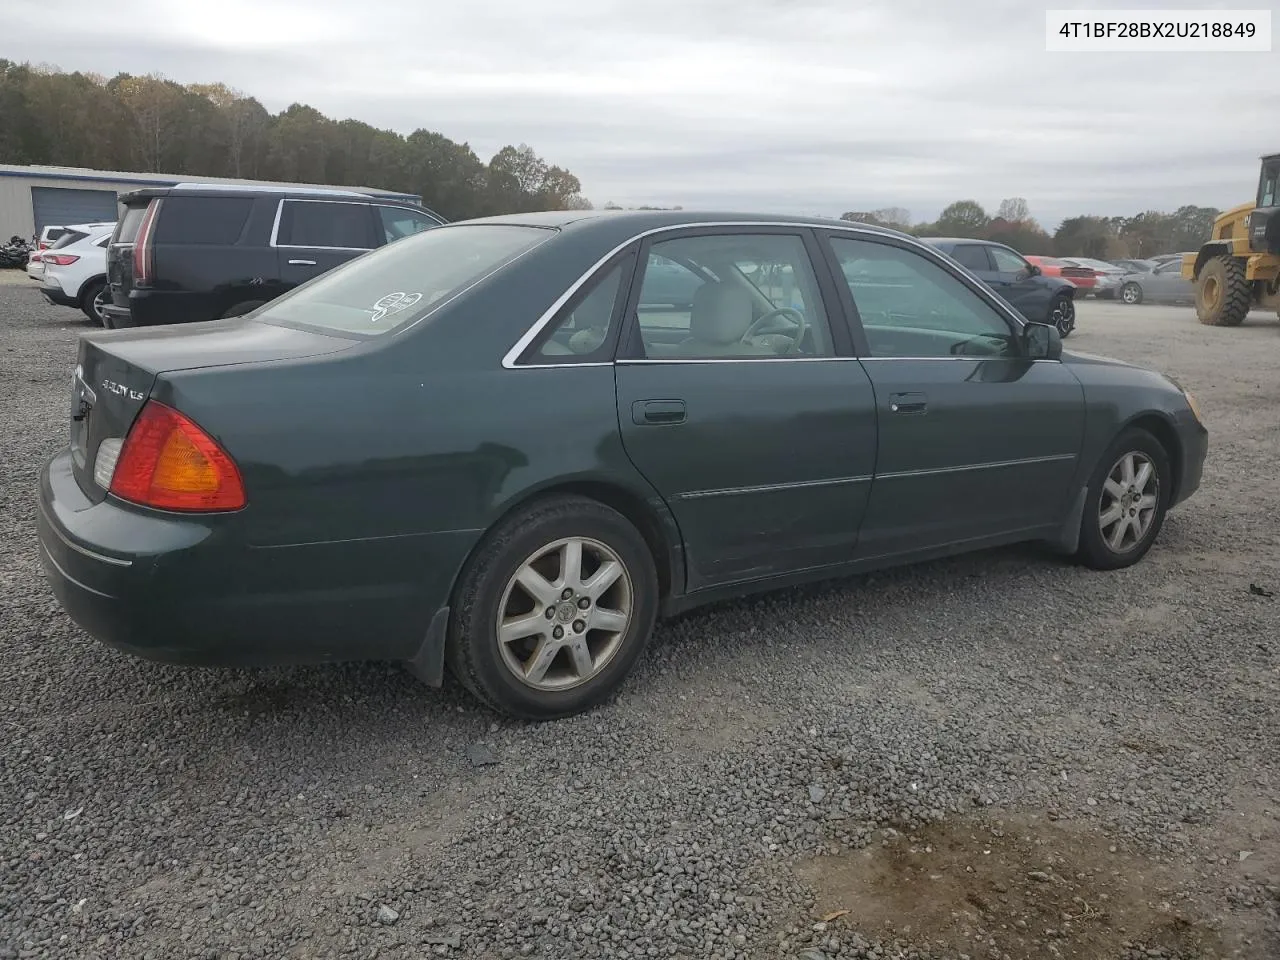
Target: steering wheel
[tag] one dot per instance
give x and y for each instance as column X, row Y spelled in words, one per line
column 802, row 326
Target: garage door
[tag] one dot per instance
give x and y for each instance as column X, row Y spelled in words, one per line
column 56, row 206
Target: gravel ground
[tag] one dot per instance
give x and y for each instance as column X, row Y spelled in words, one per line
column 999, row 755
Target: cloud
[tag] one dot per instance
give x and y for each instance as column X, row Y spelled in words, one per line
column 769, row 105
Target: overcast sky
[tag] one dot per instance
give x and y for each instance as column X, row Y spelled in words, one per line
column 805, row 106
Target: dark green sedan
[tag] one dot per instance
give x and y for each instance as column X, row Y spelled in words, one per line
column 492, row 447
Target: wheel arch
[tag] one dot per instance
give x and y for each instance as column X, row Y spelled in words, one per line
column 1161, row 427
column 654, row 522
column 87, row 284
column 1207, row 252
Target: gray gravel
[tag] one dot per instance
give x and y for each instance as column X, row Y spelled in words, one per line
column 148, row 811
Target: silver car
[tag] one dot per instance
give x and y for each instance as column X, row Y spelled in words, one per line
column 1163, row 284
column 1110, row 276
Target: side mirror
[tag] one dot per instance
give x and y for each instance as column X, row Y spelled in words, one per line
column 1041, row 341
column 1035, row 271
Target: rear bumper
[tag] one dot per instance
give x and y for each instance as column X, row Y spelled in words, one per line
column 55, row 294
column 187, row 590
column 147, row 308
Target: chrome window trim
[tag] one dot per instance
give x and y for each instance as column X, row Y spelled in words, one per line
column 275, row 226
column 509, row 359
column 643, row 361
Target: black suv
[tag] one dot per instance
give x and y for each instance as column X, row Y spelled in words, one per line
column 1019, row 282
column 195, row 251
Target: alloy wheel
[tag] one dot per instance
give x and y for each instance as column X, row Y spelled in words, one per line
column 1063, row 316
column 1127, row 507
column 564, row 613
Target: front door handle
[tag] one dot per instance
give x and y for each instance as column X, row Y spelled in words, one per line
column 658, row 411
column 908, row 403
column 303, row 263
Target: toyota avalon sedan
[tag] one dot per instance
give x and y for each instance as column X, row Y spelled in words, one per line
column 491, row 448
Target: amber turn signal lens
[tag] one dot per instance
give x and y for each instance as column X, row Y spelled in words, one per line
column 170, row 463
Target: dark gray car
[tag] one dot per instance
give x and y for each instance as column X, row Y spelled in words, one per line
column 1039, row 298
column 1164, row 283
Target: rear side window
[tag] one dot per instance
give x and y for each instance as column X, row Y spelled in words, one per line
column 311, row 223
column 129, row 224
column 972, row 255
column 400, row 222
column 68, row 238
column 401, row 282
column 203, row 220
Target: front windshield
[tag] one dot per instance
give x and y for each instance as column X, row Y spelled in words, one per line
column 391, row 287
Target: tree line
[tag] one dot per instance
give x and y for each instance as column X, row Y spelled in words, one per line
column 150, row 124
column 1147, row 234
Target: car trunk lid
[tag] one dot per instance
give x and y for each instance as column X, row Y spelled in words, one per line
column 116, row 372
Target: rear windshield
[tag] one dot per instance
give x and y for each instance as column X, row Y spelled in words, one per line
column 401, row 282
column 130, row 223
column 68, row 238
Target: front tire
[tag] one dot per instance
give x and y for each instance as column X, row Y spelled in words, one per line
column 1131, row 293
column 553, row 609
column 1127, row 501
column 1223, row 296
column 1062, row 314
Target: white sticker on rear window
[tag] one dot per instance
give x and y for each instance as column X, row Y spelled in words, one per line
column 393, row 303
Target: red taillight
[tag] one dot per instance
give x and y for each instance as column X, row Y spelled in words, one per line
column 142, row 253
column 34, row 258
column 60, row 259
column 42, row 245
column 168, row 462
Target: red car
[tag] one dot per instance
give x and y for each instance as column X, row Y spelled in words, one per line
column 1085, row 278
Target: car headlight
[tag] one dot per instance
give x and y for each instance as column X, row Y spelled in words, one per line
column 1190, row 397
column 1193, row 404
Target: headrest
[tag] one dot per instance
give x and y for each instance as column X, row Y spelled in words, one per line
column 720, row 314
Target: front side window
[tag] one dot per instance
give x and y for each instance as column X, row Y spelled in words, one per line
column 971, row 255
column 1009, row 262
column 730, row 296
column 402, row 282
column 312, row 223
column 911, row 307
column 398, row 222
column 1267, row 194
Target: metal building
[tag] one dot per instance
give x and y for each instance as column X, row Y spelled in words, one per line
column 32, row 198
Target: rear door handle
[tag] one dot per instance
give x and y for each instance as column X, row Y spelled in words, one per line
column 303, row 263
column 908, row 403
column 658, row 411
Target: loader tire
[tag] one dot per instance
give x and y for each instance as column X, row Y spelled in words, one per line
column 1223, row 296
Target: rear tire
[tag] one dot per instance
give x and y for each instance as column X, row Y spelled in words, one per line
column 92, row 299
column 1126, row 503
column 240, row 309
column 1223, row 296
column 523, row 573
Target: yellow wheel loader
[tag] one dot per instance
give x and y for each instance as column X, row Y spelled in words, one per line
column 1238, row 269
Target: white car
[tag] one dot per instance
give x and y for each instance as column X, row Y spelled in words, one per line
column 75, row 268
column 35, row 266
